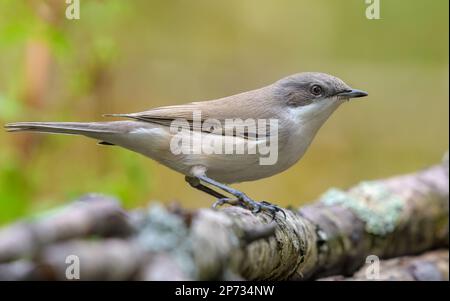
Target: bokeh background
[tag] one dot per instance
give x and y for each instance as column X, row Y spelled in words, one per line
column 126, row 56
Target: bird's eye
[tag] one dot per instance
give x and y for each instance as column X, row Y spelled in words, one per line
column 316, row 90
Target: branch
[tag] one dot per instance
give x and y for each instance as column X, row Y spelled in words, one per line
column 431, row 266
column 388, row 218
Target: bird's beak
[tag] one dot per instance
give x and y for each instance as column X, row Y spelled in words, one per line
column 353, row 93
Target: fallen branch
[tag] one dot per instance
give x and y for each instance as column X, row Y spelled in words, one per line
column 431, row 266
column 388, row 218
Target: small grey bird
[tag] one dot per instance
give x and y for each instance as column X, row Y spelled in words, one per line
column 300, row 104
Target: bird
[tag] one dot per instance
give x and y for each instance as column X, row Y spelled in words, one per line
column 300, row 104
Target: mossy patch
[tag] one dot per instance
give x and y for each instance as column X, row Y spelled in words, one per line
column 372, row 202
column 162, row 231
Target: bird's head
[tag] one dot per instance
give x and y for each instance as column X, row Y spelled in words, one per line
column 312, row 93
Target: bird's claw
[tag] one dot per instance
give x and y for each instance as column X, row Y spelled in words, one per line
column 268, row 207
column 255, row 207
column 223, row 201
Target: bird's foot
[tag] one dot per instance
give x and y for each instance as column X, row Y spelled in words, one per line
column 223, row 201
column 254, row 206
column 263, row 206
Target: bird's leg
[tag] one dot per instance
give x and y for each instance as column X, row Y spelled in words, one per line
column 242, row 198
column 221, row 199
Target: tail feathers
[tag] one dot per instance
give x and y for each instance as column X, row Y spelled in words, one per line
column 73, row 128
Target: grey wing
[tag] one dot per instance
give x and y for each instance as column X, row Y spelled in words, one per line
column 239, row 107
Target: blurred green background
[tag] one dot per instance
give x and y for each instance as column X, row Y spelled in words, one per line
column 127, row 56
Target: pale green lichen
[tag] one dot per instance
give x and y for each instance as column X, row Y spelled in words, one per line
column 162, row 231
column 372, row 202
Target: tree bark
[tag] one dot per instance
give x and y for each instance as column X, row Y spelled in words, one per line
column 431, row 266
column 388, row 218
